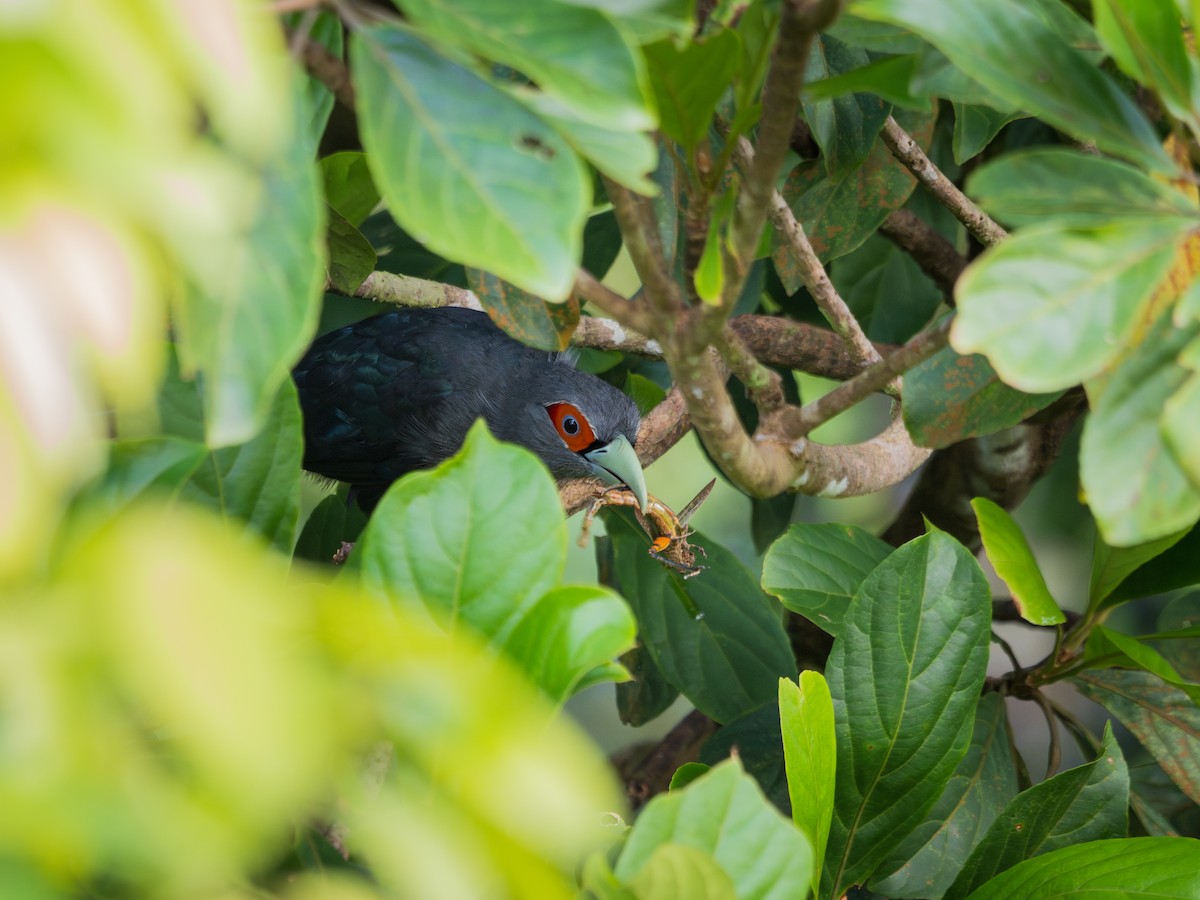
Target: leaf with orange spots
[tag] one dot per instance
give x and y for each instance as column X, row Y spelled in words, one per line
column 951, row 397
column 840, row 213
column 529, row 319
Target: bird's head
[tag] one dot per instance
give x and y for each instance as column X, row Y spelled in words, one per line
column 583, row 427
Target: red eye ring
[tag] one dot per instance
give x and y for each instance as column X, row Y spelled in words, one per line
column 572, row 426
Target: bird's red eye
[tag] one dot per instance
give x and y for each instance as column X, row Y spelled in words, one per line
column 572, row 426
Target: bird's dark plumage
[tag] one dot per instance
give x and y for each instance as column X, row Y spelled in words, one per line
column 398, row 392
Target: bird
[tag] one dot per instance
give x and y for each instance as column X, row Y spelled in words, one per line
column 398, row 392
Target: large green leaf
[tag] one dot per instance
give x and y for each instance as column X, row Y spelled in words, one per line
column 1010, row 555
column 257, row 482
column 253, row 297
column 725, row 815
column 648, row 693
column 814, row 570
column 1163, row 718
column 575, row 53
column 1134, row 485
column 688, row 82
column 480, row 541
column 951, row 397
column 1072, row 187
column 715, row 636
column 1174, row 568
column 984, row 782
column 1155, row 868
column 1181, row 421
column 757, row 742
column 1112, row 565
column 887, row 77
column 1107, row 648
column 810, row 754
column 844, row 127
column 904, row 673
column 1145, row 39
column 1049, row 307
column 975, row 127
column 146, row 465
column 886, row 290
column 567, row 634
column 680, row 872
column 1013, row 52
column 466, row 168
column 1087, row 803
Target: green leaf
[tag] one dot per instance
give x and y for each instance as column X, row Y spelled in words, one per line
column 810, row 754
column 680, row 872
column 1074, row 188
column 333, row 521
column 724, row 815
column 1181, row 424
column 1149, row 867
column 845, row 128
column 1180, row 618
column 1104, row 644
column 529, row 319
column 814, row 570
column 757, row 742
column 348, row 185
column 686, row 774
column 1087, row 803
column 648, row 693
column 831, row 209
column 914, row 640
column 1174, row 568
column 1014, row 53
column 1051, row 307
column 984, row 782
column 885, row 289
column 888, row 78
column 253, row 298
column 351, row 256
column 1014, row 562
column 572, row 52
column 1112, row 565
column 1162, row 717
column 709, row 278
column 569, row 632
column 1134, row 485
column 486, row 506
column 715, row 636
column 688, row 83
column 466, row 168
column 326, row 30
column 951, row 397
column 146, row 465
column 480, row 541
column 975, row 126
column 627, row 157
column 1145, row 39
column 258, row 482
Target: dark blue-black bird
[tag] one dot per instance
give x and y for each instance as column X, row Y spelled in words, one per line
column 399, row 391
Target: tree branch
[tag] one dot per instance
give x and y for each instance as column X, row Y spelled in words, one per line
column 329, row 70
column 811, row 272
column 905, row 149
column 848, row 393
column 933, row 253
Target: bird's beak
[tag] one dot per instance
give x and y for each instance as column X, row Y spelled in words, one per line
column 617, row 463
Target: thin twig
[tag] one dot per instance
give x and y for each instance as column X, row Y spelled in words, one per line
column 1008, row 650
column 920, row 348
column 628, row 312
column 636, row 219
column 1054, row 755
column 905, row 149
column 329, row 70
column 810, row 270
